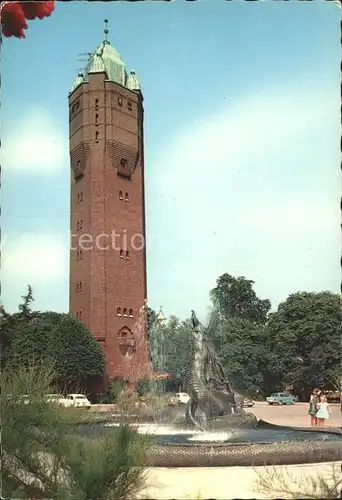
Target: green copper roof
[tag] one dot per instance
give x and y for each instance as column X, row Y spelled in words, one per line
column 96, row 65
column 78, row 80
column 105, row 59
column 132, row 81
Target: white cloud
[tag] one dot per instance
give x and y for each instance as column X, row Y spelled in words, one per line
column 283, row 219
column 39, row 260
column 253, row 134
column 35, row 145
column 35, row 257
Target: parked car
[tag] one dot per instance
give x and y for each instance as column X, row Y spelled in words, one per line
column 49, row 398
column 333, row 396
column 25, row 399
column 76, row 401
column 281, row 398
column 55, row 398
column 180, row 398
column 248, row 403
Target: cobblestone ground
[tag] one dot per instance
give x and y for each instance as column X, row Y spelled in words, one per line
column 293, row 415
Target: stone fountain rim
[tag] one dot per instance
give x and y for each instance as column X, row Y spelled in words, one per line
column 179, row 459
column 283, row 453
column 280, row 453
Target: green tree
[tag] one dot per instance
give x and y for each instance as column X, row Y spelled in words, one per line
column 25, row 308
column 59, row 339
column 151, row 318
column 116, row 387
column 239, row 341
column 171, row 347
column 49, row 337
column 239, row 344
column 305, row 339
column 9, row 322
column 235, row 298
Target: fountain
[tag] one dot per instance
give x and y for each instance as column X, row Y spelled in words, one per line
column 212, row 403
column 217, row 431
column 214, row 431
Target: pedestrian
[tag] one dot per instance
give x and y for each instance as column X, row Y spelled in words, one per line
column 323, row 410
column 313, row 406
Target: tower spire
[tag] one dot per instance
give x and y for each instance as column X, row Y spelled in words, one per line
column 106, row 31
column 160, row 317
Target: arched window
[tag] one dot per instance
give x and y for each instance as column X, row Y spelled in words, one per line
column 121, row 254
column 126, row 197
column 120, row 195
column 130, row 313
column 125, row 312
column 96, row 103
column 96, row 119
column 118, row 311
column 97, row 136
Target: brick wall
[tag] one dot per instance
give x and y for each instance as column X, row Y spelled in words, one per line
column 108, row 274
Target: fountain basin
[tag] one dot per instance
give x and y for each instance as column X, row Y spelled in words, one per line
column 265, row 445
column 186, row 464
column 257, row 454
column 289, row 461
column 269, row 445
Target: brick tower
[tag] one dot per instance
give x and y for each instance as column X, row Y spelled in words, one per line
column 108, row 254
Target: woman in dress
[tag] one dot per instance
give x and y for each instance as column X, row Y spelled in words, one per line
column 313, row 406
column 323, row 411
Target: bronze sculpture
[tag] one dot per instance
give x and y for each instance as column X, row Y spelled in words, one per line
column 210, row 391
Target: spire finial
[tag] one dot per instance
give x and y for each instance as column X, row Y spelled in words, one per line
column 160, row 316
column 106, row 30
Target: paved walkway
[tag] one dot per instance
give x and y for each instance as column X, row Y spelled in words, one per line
column 222, row 483
column 293, row 415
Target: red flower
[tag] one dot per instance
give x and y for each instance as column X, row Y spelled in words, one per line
column 13, row 20
column 37, row 9
column 14, row 15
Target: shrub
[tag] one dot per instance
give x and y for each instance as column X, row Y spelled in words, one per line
column 45, row 456
column 116, row 387
column 279, row 482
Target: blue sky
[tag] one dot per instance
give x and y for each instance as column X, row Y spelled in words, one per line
column 242, row 146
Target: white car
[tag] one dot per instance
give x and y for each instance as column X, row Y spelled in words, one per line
column 25, row 399
column 55, row 399
column 181, row 398
column 49, row 398
column 76, row 401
